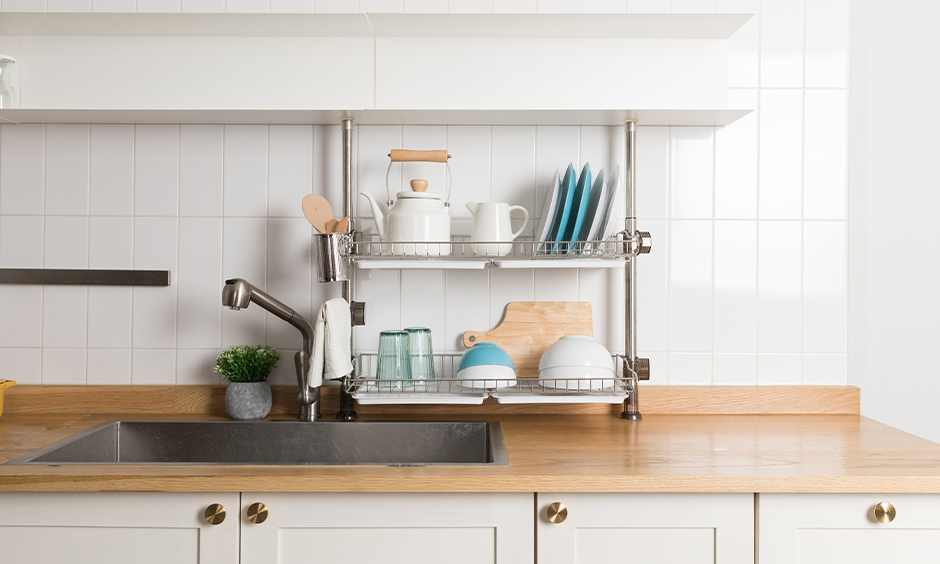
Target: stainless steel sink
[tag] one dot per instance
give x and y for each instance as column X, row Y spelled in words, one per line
column 475, row 443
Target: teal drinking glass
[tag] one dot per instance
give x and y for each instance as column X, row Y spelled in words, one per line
column 422, row 355
column 394, row 360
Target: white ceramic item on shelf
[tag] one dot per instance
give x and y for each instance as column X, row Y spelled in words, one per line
column 492, row 229
column 415, row 217
column 576, row 356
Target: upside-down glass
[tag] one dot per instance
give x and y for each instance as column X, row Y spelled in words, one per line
column 422, row 357
column 394, row 360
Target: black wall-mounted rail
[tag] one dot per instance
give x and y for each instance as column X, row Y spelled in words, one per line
column 84, row 277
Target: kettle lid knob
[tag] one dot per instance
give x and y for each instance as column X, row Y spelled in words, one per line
column 419, row 185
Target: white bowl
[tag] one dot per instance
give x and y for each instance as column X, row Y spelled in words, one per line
column 486, row 377
column 576, row 356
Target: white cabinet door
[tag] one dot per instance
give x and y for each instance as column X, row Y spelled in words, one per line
column 105, row 528
column 431, row 528
column 841, row 529
column 650, row 528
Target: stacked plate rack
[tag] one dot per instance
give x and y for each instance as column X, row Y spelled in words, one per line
column 448, row 389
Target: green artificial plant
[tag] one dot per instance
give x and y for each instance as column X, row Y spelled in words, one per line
column 246, row 363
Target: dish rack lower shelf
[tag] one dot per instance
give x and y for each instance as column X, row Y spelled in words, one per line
column 449, row 390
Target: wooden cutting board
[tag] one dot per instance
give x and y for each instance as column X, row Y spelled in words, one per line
column 529, row 328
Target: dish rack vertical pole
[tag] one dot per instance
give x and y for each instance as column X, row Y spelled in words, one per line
column 631, row 409
column 347, row 407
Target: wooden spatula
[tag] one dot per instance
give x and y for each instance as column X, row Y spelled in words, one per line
column 318, row 211
column 342, row 225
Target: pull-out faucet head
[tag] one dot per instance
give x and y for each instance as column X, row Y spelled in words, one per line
column 236, row 294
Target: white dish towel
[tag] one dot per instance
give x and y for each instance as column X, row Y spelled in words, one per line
column 331, row 352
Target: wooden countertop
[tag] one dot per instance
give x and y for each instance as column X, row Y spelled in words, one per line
column 569, row 453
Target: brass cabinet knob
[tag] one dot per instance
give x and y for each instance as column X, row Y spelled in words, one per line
column 557, row 513
column 215, row 514
column 885, row 512
column 257, row 513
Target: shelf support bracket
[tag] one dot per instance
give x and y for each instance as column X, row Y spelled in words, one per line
column 631, row 407
column 347, row 405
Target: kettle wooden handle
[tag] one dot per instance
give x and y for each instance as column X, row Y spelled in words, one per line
column 407, row 155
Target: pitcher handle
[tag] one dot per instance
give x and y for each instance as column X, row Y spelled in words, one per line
column 524, row 222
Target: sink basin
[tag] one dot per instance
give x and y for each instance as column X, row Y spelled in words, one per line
column 394, row 443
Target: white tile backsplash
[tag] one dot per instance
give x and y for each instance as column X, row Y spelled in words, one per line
column 781, row 43
column 290, row 173
column 781, row 155
column 156, row 170
column 67, row 169
column 153, row 367
column 113, row 5
column 203, row 6
column 827, row 43
column 21, row 241
column 24, row 364
column 245, row 170
column 109, row 366
column 111, row 242
column 779, row 283
column 690, row 286
column 825, row 181
column 64, row 316
column 746, row 283
column 201, row 170
column 65, row 242
column 111, row 169
column 22, row 152
column 691, row 153
column 64, row 366
column 199, row 282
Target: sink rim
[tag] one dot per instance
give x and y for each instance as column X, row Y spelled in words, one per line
column 496, row 445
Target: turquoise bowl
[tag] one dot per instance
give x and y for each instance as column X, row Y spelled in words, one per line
column 484, row 354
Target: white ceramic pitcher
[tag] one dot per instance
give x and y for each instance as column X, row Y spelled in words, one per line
column 491, row 228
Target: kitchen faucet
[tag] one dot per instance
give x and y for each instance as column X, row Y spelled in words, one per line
column 237, row 294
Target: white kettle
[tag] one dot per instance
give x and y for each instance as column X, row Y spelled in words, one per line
column 418, row 222
column 416, row 217
column 492, row 232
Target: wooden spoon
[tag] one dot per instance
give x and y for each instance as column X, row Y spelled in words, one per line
column 342, row 225
column 318, row 211
column 331, row 225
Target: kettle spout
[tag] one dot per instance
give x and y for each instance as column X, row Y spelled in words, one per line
column 473, row 207
column 377, row 214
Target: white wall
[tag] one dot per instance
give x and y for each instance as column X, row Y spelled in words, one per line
column 746, row 283
column 894, row 264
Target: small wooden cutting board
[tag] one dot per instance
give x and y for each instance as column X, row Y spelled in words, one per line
column 529, row 328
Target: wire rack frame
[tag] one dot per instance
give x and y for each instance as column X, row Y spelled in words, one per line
column 446, row 382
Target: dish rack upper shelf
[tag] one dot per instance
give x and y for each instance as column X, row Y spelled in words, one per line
column 369, row 251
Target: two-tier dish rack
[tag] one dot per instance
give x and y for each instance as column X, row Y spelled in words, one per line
column 365, row 251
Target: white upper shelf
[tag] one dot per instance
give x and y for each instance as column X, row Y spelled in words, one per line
column 624, row 26
column 692, row 117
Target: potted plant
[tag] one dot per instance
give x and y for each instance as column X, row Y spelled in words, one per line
column 247, row 368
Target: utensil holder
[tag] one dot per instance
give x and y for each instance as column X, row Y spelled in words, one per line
column 331, row 253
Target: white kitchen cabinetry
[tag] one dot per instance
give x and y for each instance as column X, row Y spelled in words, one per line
column 429, row 528
column 651, row 528
column 842, row 529
column 116, row 528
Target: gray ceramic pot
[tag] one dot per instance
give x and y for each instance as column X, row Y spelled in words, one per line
column 248, row 400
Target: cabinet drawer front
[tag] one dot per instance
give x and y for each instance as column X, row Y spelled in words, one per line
column 100, row 528
column 842, row 528
column 407, row 528
column 649, row 528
